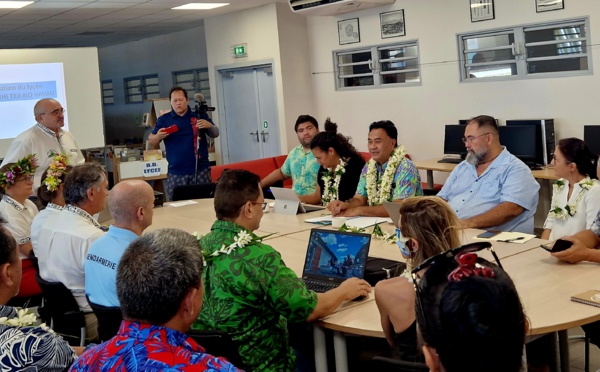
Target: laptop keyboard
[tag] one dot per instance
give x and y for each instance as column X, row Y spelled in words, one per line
column 319, row 286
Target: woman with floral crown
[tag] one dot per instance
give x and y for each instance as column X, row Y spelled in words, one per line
column 340, row 168
column 16, row 184
column 50, row 193
column 576, row 194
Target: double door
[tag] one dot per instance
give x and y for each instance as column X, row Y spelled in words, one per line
column 250, row 113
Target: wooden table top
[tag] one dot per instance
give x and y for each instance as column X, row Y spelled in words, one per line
column 545, row 284
column 546, row 173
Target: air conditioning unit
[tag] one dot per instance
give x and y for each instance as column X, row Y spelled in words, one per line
column 333, row 7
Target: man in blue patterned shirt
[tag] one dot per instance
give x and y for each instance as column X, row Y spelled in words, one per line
column 25, row 347
column 300, row 164
column 389, row 176
column 491, row 188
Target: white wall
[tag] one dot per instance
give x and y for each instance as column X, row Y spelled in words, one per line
column 420, row 112
column 271, row 32
column 156, row 55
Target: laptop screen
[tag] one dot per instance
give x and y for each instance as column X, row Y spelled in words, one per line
column 336, row 255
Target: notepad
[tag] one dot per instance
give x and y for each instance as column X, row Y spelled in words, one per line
column 510, row 237
column 590, row 297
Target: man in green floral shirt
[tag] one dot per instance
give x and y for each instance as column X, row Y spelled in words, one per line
column 249, row 292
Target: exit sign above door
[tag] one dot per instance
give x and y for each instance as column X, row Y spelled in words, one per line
column 240, row 51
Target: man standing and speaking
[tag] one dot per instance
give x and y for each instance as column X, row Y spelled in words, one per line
column 45, row 139
column 185, row 140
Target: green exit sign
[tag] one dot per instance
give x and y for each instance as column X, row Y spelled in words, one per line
column 240, row 51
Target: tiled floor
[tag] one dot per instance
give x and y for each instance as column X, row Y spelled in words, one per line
column 576, row 355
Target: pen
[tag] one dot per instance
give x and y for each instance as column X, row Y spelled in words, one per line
column 511, row 240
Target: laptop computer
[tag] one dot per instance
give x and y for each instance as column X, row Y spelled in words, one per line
column 288, row 202
column 393, row 210
column 333, row 256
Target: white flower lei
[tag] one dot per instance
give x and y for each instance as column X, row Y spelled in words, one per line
column 241, row 240
column 332, row 189
column 378, row 195
column 24, row 318
column 570, row 209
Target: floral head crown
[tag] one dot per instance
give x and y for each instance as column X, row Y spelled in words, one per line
column 57, row 169
column 23, row 167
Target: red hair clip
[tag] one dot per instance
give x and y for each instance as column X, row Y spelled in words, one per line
column 467, row 266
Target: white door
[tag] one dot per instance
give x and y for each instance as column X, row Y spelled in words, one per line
column 250, row 113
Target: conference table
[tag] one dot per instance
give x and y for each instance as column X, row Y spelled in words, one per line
column 545, row 284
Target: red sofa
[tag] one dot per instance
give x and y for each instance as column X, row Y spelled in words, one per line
column 261, row 167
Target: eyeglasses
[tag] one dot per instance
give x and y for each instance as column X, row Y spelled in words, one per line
column 56, row 112
column 472, row 138
column 28, row 177
column 444, row 256
column 263, row 205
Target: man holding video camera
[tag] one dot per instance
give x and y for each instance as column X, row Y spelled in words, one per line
column 184, row 133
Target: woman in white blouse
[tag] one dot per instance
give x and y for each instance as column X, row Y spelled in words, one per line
column 16, row 185
column 50, row 195
column 576, row 194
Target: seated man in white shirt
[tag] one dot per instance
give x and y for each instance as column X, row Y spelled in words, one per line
column 64, row 240
column 131, row 205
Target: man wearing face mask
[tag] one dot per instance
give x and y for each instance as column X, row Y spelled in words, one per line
column 491, row 188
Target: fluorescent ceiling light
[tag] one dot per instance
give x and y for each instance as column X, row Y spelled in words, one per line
column 200, row 6
column 14, row 4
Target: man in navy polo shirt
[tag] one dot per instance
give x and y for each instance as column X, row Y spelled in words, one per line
column 185, row 141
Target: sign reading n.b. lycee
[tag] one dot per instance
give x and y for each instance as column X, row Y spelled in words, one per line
column 152, row 169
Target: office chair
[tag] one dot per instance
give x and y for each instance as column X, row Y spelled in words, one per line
column 217, row 344
column 65, row 316
column 109, row 320
column 379, row 363
column 200, row 191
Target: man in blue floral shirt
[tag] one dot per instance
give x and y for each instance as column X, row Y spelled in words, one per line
column 160, row 290
column 389, row 176
column 24, row 345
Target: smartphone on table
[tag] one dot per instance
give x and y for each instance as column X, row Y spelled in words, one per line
column 558, row 246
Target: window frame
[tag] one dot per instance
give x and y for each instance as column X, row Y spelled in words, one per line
column 108, row 92
column 375, row 65
column 519, row 51
column 196, row 82
column 143, row 85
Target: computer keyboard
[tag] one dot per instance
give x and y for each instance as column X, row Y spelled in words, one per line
column 318, row 286
column 450, row 160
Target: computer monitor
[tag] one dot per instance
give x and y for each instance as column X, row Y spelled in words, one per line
column 453, row 143
column 522, row 142
column 591, row 137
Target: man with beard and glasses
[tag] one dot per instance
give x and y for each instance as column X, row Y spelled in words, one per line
column 300, row 164
column 491, row 189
